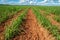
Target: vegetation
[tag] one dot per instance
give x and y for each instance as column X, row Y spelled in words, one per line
column 13, row 29
column 51, row 9
column 57, row 18
column 46, row 23
column 7, row 12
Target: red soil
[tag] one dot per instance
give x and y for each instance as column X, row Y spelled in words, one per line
column 7, row 23
column 32, row 30
column 50, row 17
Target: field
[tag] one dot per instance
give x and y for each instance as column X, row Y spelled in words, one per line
column 29, row 22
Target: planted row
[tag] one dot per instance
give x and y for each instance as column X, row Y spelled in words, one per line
column 57, row 14
column 51, row 9
column 8, row 11
column 13, row 29
column 46, row 23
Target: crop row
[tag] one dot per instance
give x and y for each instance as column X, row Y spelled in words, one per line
column 57, row 18
column 54, row 10
column 8, row 11
column 51, row 9
column 13, row 29
column 46, row 24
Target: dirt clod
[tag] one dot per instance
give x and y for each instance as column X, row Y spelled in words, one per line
column 33, row 30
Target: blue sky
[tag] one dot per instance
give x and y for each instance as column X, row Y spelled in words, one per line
column 30, row 2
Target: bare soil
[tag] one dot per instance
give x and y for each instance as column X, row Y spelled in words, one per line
column 32, row 30
column 50, row 18
column 7, row 23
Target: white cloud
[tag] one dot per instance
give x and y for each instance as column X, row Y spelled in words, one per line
column 46, row 2
column 43, row 1
column 31, row 2
column 21, row 1
column 59, row 1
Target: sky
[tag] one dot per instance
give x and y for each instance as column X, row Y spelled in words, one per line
column 31, row 2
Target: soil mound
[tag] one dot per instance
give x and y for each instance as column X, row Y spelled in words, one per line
column 31, row 30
